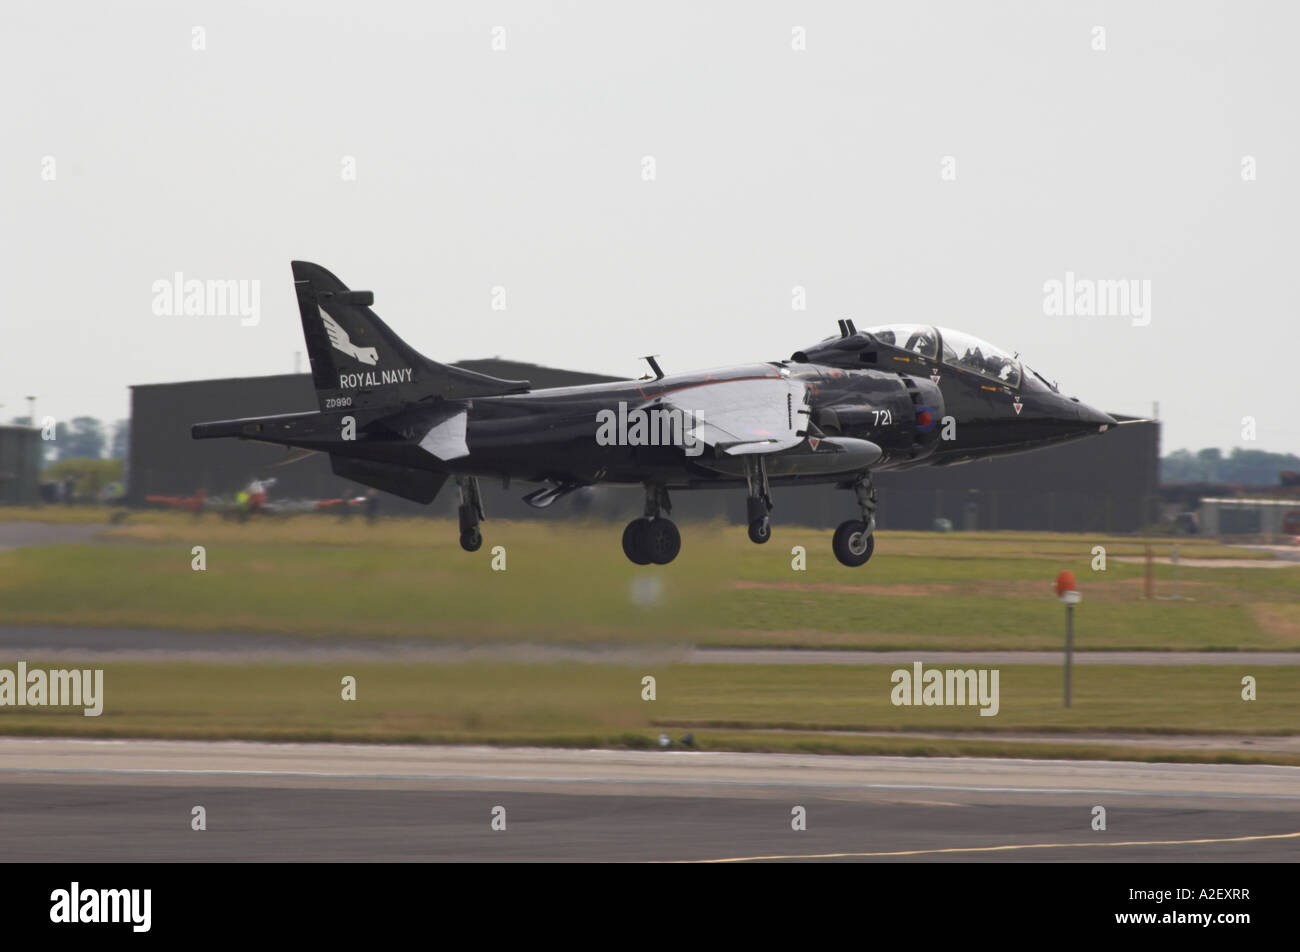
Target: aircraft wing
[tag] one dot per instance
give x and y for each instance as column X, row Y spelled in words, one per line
column 738, row 417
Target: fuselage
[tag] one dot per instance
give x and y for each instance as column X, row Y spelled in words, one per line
column 919, row 410
column 557, row 427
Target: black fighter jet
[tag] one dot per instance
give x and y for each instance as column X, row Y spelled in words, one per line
column 888, row 398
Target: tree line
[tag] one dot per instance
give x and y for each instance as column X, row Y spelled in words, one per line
column 1244, row 467
column 84, row 437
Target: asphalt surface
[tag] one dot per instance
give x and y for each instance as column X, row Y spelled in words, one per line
column 142, row 644
column 991, row 658
column 77, row 800
column 1281, row 562
column 15, row 534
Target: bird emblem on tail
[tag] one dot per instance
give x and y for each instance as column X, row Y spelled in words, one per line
column 340, row 341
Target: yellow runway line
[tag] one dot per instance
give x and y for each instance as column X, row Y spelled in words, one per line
column 996, row 849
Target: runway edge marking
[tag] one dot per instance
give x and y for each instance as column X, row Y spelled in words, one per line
column 994, row 849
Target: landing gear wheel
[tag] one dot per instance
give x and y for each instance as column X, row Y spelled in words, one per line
column 853, row 543
column 760, row 530
column 471, row 539
column 660, row 540
column 634, row 541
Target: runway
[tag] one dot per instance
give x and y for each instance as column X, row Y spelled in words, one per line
column 85, row 645
column 14, row 535
column 80, row 800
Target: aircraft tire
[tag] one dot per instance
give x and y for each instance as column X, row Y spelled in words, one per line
column 760, row 530
column 852, row 543
column 471, row 539
column 634, row 541
column 661, row 541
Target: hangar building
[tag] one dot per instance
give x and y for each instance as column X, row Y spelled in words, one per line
column 20, row 465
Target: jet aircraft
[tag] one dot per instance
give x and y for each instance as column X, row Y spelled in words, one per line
column 857, row 403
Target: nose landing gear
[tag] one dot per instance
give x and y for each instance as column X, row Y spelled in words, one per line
column 855, row 539
column 654, row 537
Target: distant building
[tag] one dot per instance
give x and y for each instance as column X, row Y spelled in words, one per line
column 20, row 465
column 1107, row 483
column 1250, row 517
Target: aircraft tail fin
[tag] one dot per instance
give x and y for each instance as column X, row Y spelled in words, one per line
column 357, row 361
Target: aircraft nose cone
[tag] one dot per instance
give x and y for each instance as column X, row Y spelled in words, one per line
column 1094, row 417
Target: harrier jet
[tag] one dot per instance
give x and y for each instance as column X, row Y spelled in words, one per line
column 849, row 406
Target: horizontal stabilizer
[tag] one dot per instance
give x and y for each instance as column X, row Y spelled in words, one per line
column 417, row 485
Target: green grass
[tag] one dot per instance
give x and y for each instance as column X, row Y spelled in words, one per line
column 737, row 707
column 972, row 621
column 376, row 591
column 570, row 584
column 1106, row 698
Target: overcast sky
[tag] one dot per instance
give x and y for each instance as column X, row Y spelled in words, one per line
column 129, row 155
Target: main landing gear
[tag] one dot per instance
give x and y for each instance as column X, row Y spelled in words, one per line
column 855, row 539
column 759, row 503
column 654, row 537
column 471, row 513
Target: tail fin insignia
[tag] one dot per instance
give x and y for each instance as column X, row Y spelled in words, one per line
column 338, row 322
column 340, row 341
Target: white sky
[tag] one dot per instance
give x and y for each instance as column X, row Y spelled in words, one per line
column 775, row 168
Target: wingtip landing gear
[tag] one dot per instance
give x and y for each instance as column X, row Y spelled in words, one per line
column 760, row 526
column 654, row 537
column 470, row 513
column 759, row 503
column 855, row 539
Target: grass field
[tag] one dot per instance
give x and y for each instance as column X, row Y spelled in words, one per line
column 566, row 583
column 743, row 707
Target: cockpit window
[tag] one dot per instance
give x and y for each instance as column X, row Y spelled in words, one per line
column 918, row 338
column 971, row 353
column 1046, row 383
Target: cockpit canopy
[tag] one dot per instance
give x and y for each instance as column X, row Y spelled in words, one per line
column 917, row 338
column 959, row 349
